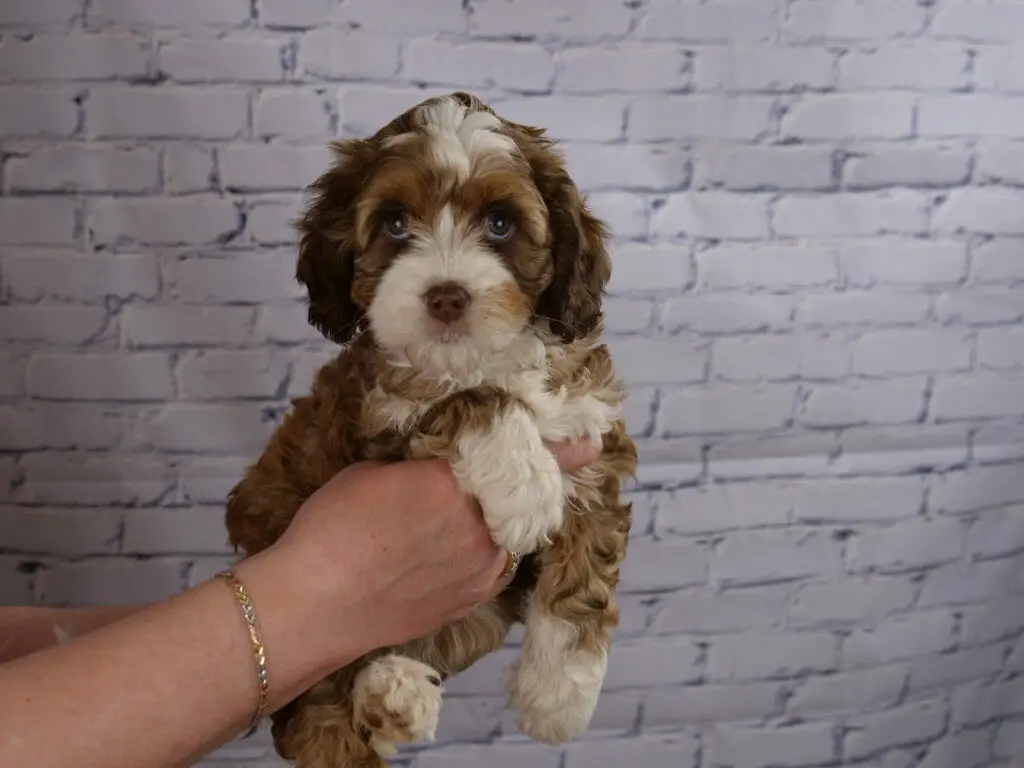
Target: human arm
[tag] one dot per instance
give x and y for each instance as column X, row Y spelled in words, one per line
column 174, row 680
column 26, row 629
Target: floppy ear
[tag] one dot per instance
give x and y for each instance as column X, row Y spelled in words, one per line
column 582, row 266
column 327, row 246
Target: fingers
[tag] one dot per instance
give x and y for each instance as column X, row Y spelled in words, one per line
column 575, row 454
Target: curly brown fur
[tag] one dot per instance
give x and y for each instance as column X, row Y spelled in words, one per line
column 408, row 209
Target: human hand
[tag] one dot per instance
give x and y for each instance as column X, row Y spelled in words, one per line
column 397, row 550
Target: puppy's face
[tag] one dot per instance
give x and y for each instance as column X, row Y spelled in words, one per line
column 451, row 232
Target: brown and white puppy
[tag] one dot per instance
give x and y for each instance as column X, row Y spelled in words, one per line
column 454, row 258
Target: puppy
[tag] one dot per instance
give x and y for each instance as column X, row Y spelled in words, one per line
column 456, row 262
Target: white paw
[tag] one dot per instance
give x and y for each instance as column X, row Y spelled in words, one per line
column 517, row 481
column 555, row 684
column 398, row 700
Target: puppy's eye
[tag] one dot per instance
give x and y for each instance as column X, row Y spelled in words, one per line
column 396, row 224
column 499, row 225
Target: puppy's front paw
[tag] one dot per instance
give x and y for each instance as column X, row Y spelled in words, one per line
column 398, row 700
column 516, row 480
column 556, row 683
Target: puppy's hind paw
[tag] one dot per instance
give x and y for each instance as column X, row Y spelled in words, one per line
column 397, row 700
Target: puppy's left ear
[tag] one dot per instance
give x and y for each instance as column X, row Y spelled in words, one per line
column 582, row 266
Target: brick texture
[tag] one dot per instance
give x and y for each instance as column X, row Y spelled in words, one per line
column 818, row 305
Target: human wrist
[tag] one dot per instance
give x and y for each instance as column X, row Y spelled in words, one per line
column 297, row 612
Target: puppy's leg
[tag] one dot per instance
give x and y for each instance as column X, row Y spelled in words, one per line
column 498, row 456
column 557, row 680
column 317, row 730
column 396, row 700
column 358, row 719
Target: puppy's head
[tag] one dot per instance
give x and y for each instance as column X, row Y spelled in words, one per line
column 450, row 232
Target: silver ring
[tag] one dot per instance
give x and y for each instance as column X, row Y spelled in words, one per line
column 511, row 565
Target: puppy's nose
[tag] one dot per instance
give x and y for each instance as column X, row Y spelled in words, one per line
column 447, row 302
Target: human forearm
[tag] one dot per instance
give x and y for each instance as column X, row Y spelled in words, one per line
column 168, row 683
column 26, row 630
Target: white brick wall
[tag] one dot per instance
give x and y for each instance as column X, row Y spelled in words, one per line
column 818, row 305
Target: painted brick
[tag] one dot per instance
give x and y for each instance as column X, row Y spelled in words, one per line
column 850, row 115
column 675, row 750
column 900, row 638
column 42, row 12
column 763, row 68
column 909, row 546
column 651, row 662
column 759, row 168
column 984, row 211
column 179, row 221
column 780, row 357
column 861, row 691
column 722, row 507
column 769, row 556
column 334, row 54
column 521, row 67
column 911, row 351
column 571, row 20
column 74, row 56
column 979, row 114
column 37, row 221
column 79, row 168
column 188, row 168
column 626, row 67
column 231, row 58
column 700, row 411
column 100, row 376
column 920, row 66
column 977, row 395
column 852, row 214
column 852, row 600
column 872, row 20
column 660, row 565
column 164, row 326
column 984, row 22
column 135, row 112
column 667, row 708
column 726, row 313
column 757, row 656
column 111, row 581
column 188, row 14
column 796, row 745
column 867, row 264
column 31, row 112
column 292, row 114
column 63, row 426
column 631, row 167
column 909, row 724
column 1000, row 164
column 397, row 17
column 878, row 167
column 71, row 479
column 675, row 118
column 715, row 215
column 85, row 279
column 888, row 402
column 771, row 267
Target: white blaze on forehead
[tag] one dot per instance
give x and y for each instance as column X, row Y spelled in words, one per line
column 459, row 139
column 452, row 253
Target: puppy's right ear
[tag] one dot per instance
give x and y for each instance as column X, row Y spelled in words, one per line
column 327, row 242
